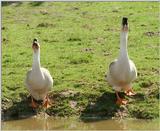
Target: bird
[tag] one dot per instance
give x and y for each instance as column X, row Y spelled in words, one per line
column 38, row 79
column 122, row 71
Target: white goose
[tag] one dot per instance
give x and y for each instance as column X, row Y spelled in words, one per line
column 38, row 80
column 122, row 71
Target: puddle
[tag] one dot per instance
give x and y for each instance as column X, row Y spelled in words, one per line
column 52, row 123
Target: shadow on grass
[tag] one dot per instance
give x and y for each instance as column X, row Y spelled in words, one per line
column 7, row 3
column 103, row 108
column 139, row 97
column 19, row 110
column 36, row 3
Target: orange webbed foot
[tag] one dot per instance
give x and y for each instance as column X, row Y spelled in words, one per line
column 33, row 104
column 46, row 103
column 130, row 92
column 121, row 101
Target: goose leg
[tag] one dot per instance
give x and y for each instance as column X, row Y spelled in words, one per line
column 130, row 92
column 33, row 104
column 120, row 101
column 46, row 102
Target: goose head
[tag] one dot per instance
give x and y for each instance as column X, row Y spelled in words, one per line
column 125, row 25
column 35, row 45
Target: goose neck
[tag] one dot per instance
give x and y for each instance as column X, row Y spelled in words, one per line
column 123, row 45
column 36, row 60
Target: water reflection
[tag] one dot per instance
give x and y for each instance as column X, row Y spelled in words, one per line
column 51, row 123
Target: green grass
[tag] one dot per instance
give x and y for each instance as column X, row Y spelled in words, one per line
column 78, row 41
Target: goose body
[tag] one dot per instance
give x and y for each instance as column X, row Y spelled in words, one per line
column 38, row 80
column 39, row 83
column 121, row 74
column 122, row 71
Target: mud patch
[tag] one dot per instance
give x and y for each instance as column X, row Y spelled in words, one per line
column 45, row 25
column 157, row 71
column 143, row 25
column 74, row 39
column 44, row 12
column 112, row 29
column 67, row 93
column 75, row 8
column 87, row 26
column 73, row 104
column 50, row 41
column 87, row 50
column 152, row 58
column 106, row 53
column 100, row 40
column 151, row 33
column 84, row 12
column 115, row 11
column 38, row 32
column 131, row 13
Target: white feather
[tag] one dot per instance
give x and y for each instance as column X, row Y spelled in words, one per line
column 122, row 71
column 38, row 80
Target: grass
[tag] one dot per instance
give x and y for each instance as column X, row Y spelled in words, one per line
column 78, row 42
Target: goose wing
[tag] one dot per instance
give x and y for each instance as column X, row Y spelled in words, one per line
column 48, row 78
column 133, row 71
column 112, row 73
